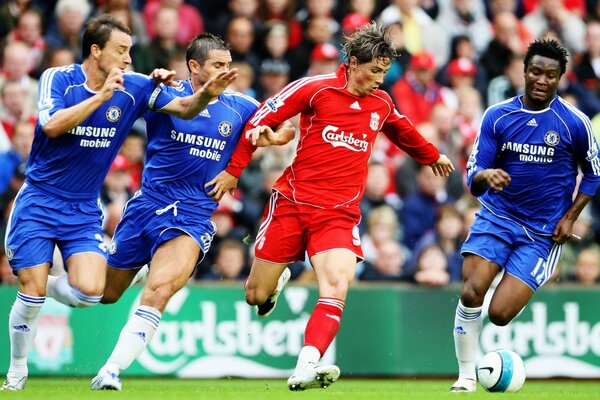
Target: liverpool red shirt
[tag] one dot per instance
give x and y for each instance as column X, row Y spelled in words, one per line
column 337, row 133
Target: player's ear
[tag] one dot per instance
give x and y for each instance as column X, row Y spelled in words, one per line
column 352, row 62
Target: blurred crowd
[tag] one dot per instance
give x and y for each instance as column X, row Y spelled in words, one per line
column 456, row 58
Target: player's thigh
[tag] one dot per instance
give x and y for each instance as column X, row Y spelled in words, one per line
column 171, row 266
column 262, row 280
column 117, row 282
column 335, row 269
column 509, row 298
column 478, row 274
column 32, row 280
column 87, row 272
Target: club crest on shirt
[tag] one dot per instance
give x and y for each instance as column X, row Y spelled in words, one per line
column 225, row 128
column 10, row 253
column 113, row 113
column 551, row 138
column 374, row 123
column 112, row 248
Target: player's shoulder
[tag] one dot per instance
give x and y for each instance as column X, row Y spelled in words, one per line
column 72, row 73
column 568, row 111
column 504, row 108
column 237, row 100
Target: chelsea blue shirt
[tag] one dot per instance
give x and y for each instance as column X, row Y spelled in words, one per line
column 541, row 151
column 74, row 164
column 185, row 154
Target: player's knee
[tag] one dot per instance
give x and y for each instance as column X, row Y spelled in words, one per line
column 471, row 296
column 255, row 296
column 336, row 287
column 500, row 317
column 110, row 297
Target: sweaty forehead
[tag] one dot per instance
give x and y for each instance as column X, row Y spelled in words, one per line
column 544, row 63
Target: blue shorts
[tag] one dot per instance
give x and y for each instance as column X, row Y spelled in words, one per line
column 39, row 221
column 523, row 254
column 148, row 222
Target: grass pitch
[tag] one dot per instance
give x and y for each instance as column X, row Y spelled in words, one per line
column 270, row 389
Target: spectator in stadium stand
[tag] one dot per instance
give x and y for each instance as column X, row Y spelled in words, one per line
column 10, row 11
column 317, row 31
column 15, row 66
column 55, row 57
column 167, row 225
column 587, row 267
column 240, row 32
column 190, row 21
column 388, row 264
column 282, row 11
column 238, row 8
column 447, row 234
column 400, row 63
column 317, row 198
column 417, row 91
column 421, row 32
column 511, row 83
column 164, row 43
column 511, row 38
column 29, row 31
column 378, row 192
column 552, row 14
column 14, row 106
column 587, row 65
column 432, row 267
column 324, row 59
column 274, row 75
column 420, row 209
column 382, row 224
column 527, row 155
column 13, row 164
column 71, row 16
column 65, row 172
column 229, row 263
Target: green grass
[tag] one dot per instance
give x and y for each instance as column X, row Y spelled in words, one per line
column 270, row 389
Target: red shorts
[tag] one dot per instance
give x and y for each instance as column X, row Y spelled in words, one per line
column 290, row 229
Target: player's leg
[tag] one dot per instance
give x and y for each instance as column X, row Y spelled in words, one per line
column 478, row 274
column 264, row 284
column 531, row 264
column 22, row 322
column 172, row 264
column 81, row 242
column 335, row 270
column 84, row 284
column 117, row 281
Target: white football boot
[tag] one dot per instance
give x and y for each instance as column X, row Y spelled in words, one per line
column 14, row 382
column 464, row 385
column 312, row 377
column 106, row 380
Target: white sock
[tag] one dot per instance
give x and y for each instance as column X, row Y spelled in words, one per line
column 58, row 288
column 134, row 338
column 467, row 327
column 308, row 355
column 22, row 325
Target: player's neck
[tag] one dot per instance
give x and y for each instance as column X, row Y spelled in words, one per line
column 197, row 85
column 94, row 81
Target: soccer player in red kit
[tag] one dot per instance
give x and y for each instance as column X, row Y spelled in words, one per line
column 314, row 207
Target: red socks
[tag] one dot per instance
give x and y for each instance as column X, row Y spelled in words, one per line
column 324, row 323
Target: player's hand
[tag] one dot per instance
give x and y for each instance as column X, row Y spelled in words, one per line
column 215, row 85
column 443, row 166
column 263, row 136
column 496, row 178
column 164, row 76
column 114, row 81
column 563, row 230
column 224, row 182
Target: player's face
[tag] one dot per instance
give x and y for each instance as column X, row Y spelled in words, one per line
column 115, row 53
column 217, row 61
column 364, row 78
column 541, row 81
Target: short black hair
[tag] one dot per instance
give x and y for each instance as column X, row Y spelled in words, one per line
column 98, row 32
column 201, row 45
column 548, row 48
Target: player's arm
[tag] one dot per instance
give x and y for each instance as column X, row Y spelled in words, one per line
column 188, row 107
column 403, row 134
column 66, row 119
column 564, row 228
column 263, row 136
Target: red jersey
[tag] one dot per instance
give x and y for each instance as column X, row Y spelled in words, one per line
column 337, row 133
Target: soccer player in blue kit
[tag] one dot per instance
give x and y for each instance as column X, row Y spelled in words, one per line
column 167, row 223
column 523, row 168
column 85, row 112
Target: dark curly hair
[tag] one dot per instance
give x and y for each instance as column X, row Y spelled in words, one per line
column 548, row 48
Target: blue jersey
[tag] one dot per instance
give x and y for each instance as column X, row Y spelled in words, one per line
column 74, row 164
column 541, row 151
column 183, row 155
